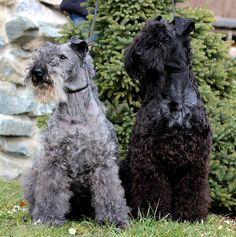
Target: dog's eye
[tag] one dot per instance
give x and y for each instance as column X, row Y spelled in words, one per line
column 62, row 56
column 165, row 37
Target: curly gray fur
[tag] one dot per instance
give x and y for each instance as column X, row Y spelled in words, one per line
column 77, row 172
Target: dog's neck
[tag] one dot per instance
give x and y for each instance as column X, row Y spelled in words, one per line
column 74, row 109
column 81, row 106
column 177, row 70
column 78, row 99
column 181, row 88
column 178, row 78
column 170, row 82
column 70, row 91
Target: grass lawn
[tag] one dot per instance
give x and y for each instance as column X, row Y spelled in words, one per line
column 15, row 222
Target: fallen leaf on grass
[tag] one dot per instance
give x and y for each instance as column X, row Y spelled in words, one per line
column 22, row 203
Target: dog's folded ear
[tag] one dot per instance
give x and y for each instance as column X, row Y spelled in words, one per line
column 79, row 46
column 183, row 26
column 158, row 18
column 132, row 62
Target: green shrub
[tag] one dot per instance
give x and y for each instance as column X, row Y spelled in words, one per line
column 116, row 24
column 216, row 74
column 42, row 121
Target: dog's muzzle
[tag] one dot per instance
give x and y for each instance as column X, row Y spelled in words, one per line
column 39, row 77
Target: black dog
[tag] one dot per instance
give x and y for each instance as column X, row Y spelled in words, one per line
column 167, row 164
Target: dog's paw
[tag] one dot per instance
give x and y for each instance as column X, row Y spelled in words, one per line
column 121, row 224
column 49, row 221
column 116, row 223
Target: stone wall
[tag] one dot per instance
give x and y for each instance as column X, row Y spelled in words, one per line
column 24, row 25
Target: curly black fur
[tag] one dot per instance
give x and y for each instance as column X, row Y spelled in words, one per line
column 167, row 163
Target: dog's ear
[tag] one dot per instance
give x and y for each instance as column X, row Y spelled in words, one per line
column 158, row 18
column 79, row 46
column 183, row 26
column 132, row 62
column 138, row 61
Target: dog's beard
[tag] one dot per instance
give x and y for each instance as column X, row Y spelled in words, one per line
column 51, row 92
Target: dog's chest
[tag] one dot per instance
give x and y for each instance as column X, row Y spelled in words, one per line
column 85, row 139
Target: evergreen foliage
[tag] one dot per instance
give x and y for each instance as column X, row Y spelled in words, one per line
column 117, row 22
column 216, row 74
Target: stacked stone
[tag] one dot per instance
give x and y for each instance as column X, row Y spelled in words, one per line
column 24, row 25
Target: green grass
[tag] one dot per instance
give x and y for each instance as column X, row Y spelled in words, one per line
column 19, row 224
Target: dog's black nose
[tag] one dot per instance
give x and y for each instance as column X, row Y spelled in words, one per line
column 38, row 72
column 38, row 75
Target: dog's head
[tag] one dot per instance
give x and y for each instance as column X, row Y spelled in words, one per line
column 160, row 46
column 56, row 68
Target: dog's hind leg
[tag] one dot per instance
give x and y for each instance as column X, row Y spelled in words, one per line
column 124, row 174
column 191, row 197
column 108, row 195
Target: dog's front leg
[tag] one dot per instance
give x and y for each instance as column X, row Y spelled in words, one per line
column 29, row 180
column 108, row 196
column 52, row 194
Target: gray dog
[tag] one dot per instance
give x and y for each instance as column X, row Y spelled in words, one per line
column 77, row 172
